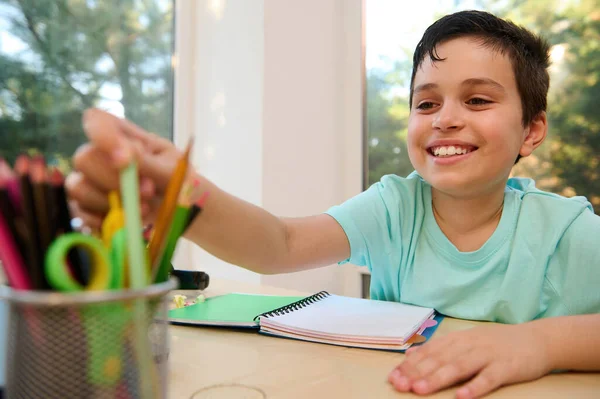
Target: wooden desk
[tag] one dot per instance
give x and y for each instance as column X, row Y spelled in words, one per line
column 283, row 368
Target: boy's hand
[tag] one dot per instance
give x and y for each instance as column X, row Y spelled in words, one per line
column 487, row 357
column 113, row 144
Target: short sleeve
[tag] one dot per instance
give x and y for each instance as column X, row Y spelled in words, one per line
column 371, row 220
column 574, row 269
column 359, row 218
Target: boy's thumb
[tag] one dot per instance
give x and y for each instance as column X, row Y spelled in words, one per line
column 158, row 169
column 105, row 132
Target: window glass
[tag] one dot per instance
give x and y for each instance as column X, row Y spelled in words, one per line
column 59, row 57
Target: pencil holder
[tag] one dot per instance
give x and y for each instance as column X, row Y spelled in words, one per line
column 102, row 344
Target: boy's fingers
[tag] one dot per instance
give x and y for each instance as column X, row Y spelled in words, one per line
column 151, row 141
column 95, row 165
column 86, row 195
column 158, row 168
column 486, row 381
column 91, row 206
column 107, row 133
column 147, row 188
column 460, row 369
column 412, row 350
column 91, row 220
column 420, row 364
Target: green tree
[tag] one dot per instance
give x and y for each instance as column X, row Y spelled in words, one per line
column 387, row 121
column 73, row 53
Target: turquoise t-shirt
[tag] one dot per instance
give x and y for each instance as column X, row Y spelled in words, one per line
column 542, row 260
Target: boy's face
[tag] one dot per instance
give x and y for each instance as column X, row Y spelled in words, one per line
column 465, row 128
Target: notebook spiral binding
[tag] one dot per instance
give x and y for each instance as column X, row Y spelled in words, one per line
column 294, row 306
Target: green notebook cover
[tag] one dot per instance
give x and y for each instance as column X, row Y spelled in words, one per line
column 230, row 310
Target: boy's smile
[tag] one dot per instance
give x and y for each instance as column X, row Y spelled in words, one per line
column 465, row 128
column 449, row 151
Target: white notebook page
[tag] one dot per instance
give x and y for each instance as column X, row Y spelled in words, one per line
column 345, row 316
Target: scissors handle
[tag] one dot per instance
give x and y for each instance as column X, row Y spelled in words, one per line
column 114, row 220
column 58, row 270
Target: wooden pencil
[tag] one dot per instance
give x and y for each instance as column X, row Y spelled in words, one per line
column 160, row 270
column 195, row 210
column 12, row 186
column 61, row 223
column 40, row 188
column 167, row 208
column 34, row 260
column 12, row 261
column 7, row 208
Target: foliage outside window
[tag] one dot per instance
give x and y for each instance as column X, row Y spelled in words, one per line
column 568, row 162
column 59, row 57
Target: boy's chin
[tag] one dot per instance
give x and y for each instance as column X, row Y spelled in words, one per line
column 464, row 187
column 456, row 186
column 455, row 190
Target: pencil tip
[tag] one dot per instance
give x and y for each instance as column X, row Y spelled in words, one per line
column 189, row 146
column 39, row 158
column 202, row 199
column 38, row 170
column 22, row 164
column 56, row 178
column 5, row 172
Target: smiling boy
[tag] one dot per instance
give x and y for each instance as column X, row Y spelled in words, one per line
column 457, row 234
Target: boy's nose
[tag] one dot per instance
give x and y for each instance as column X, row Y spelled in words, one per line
column 448, row 118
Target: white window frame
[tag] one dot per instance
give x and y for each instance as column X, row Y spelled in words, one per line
column 328, row 85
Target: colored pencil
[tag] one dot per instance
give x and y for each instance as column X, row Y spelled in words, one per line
column 61, row 223
column 33, row 258
column 160, row 272
column 7, row 208
column 12, row 185
column 167, row 208
column 138, row 272
column 39, row 184
column 11, row 258
column 195, row 210
column 138, row 276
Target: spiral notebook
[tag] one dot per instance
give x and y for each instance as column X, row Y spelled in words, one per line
column 231, row 310
column 322, row 317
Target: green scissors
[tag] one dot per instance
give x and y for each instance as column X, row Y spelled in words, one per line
column 105, row 345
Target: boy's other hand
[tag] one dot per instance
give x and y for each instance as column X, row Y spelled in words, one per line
column 486, row 357
column 113, row 144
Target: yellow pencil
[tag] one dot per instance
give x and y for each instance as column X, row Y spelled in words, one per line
column 160, row 269
column 167, row 208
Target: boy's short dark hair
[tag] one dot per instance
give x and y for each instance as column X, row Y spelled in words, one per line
column 529, row 53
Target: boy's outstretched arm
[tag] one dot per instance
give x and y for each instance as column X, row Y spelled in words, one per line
column 488, row 357
column 246, row 235
column 229, row 228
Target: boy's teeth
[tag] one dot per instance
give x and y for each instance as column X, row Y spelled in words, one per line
column 449, row 151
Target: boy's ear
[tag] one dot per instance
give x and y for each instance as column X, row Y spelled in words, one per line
column 535, row 134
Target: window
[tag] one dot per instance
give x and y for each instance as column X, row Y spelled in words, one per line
column 59, row 57
column 568, row 162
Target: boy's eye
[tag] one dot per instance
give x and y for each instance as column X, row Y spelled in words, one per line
column 425, row 105
column 477, row 101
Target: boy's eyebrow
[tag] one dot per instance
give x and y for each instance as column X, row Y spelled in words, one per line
column 483, row 81
column 424, row 87
column 468, row 82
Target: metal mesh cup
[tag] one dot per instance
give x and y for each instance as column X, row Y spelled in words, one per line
column 104, row 344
